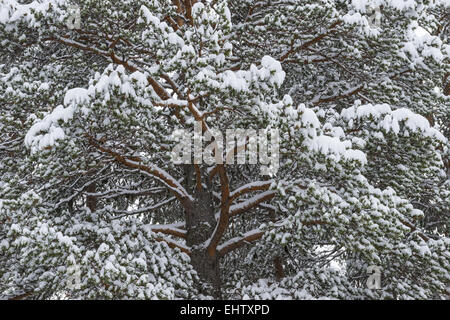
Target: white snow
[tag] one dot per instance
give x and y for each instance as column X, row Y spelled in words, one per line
column 197, row 7
column 274, row 68
column 336, row 148
column 149, row 17
column 175, row 39
column 76, row 96
column 391, row 121
column 46, row 132
column 309, row 117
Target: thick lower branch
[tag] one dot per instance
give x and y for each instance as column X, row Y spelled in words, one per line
column 236, row 243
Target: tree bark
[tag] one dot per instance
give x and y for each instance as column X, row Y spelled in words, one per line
column 200, row 225
column 446, row 84
column 91, row 202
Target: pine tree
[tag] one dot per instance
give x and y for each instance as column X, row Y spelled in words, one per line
column 92, row 204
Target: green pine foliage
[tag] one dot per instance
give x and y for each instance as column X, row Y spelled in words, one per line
column 93, row 207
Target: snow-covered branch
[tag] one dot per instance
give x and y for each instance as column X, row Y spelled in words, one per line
column 152, row 170
column 126, row 213
column 250, row 187
column 251, row 202
column 237, row 242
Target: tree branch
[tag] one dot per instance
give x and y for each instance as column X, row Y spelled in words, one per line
column 310, row 42
column 252, row 202
column 250, row 187
column 238, row 242
column 174, row 244
column 169, row 231
column 178, row 190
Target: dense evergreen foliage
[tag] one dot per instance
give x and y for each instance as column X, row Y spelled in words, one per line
column 92, row 205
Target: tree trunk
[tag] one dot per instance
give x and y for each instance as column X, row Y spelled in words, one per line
column 91, row 202
column 200, row 225
column 207, row 268
column 279, row 271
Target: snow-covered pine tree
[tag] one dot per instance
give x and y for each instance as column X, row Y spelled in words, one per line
column 91, row 205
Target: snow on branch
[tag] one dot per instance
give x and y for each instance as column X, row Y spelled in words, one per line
column 119, row 192
column 250, row 187
column 309, row 43
column 159, row 89
column 251, row 202
column 229, row 211
column 125, row 213
column 390, row 120
column 237, row 242
column 224, row 212
column 173, row 244
column 169, row 231
column 149, row 169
